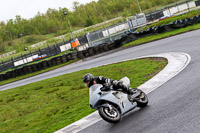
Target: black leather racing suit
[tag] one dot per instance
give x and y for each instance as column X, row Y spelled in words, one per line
column 106, row 82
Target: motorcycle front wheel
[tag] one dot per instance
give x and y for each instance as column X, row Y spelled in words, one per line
column 110, row 115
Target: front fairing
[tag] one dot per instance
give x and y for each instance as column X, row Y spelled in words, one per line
column 117, row 98
column 94, row 94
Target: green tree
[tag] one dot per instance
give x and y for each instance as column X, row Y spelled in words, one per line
column 89, row 22
column 53, row 21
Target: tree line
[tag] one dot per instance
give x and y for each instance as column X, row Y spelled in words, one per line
column 54, row 21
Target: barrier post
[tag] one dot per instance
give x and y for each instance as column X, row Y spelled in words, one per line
column 177, row 7
column 55, row 48
column 109, row 35
column 22, row 58
column 151, row 17
column 31, row 55
column 88, row 39
column 26, row 58
column 40, row 51
column 169, row 11
column 188, row 5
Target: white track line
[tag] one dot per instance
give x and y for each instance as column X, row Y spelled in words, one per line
column 176, row 63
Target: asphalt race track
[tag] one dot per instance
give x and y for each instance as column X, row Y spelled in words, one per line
column 174, row 107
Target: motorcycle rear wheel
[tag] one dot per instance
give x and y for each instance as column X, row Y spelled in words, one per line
column 112, row 116
column 143, row 101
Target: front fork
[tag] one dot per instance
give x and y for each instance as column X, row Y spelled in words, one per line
column 107, row 105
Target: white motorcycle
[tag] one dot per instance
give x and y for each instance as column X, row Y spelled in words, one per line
column 115, row 103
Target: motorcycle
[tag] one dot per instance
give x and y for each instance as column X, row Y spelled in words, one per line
column 113, row 104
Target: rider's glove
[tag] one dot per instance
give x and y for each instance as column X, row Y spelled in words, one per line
column 115, row 82
column 122, row 86
column 105, row 87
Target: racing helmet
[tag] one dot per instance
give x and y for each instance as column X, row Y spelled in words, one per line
column 88, row 79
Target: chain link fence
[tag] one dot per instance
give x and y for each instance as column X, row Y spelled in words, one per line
column 107, row 35
column 115, row 32
column 171, row 10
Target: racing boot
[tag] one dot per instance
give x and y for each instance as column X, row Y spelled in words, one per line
column 133, row 94
column 131, row 91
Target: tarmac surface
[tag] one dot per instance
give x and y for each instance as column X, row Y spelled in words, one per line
column 173, row 107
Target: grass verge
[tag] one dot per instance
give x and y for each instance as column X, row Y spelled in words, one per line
column 150, row 38
column 51, row 104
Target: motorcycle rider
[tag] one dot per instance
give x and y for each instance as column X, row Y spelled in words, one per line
column 90, row 80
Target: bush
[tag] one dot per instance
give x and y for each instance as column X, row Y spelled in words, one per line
column 89, row 22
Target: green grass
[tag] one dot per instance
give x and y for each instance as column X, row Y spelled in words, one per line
column 51, row 104
column 150, row 38
column 36, row 73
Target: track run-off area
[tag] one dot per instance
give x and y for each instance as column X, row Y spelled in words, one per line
column 176, row 63
column 173, row 107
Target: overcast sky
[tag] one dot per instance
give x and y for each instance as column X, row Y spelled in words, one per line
column 29, row 8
